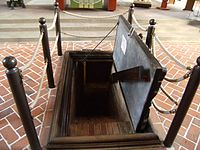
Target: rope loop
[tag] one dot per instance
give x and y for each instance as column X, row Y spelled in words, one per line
column 27, row 65
column 39, row 88
column 170, row 55
column 43, row 75
column 54, row 22
column 137, row 23
column 163, row 111
column 94, row 17
column 54, row 46
column 169, row 96
column 185, row 76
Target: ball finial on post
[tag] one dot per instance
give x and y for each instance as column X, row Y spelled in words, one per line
column 9, row 62
column 131, row 5
column 42, row 20
column 56, row 4
column 152, row 22
column 150, row 33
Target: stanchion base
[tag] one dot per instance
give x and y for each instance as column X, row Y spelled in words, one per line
column 162, row 8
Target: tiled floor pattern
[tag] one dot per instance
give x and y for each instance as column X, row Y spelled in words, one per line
column 12, row 135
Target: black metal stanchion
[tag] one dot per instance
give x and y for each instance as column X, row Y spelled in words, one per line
column 46, row 52
column 130, row 13
column 58, row 30
column 184, row 105
column 150, row 32
column 17, row 88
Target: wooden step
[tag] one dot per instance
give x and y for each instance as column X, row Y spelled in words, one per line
column 99, row 126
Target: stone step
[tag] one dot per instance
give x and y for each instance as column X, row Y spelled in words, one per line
column 63, row 20
column 28, row 29
column 77, row 24
column 106, row 20
column 65, row 26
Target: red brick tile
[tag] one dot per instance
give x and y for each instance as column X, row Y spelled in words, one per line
column 2, row 78
column 176, row 146
column 176, row 87
column 168, row 89
column 28, row 90
column 3, row 145
column 22, row 59
column 181, row 148
column 3, row 90
column 41, row 100
column 183, row 84
column 44, row 91
column 5, row 83
column 194, row 113
column 9, row 134
column 194, row 106
column 177, row 93
column 184, row 142
column 30, row 82
column 182, row 131
column 21, row 131
column 162, row 104
column 33, row 96
column 38, row 63
column 33, row 75
column 22, row 143
column 37, row 111
column 40, row 117
column 6, row 104
column 193, row 133
column 3, row 123
column 14, row 107
column 36, row 68
column 186, row 121
column 160, row 97
column 43, row 106
column 5, row 113
column 8, row 97
column 173, row 71
column 196, row 99
column 196, row 122
column 15, row 121
column 169, row 117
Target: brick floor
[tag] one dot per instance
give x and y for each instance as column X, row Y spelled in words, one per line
column 12, row 135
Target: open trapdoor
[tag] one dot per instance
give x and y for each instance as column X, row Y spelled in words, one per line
column 103, row 98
